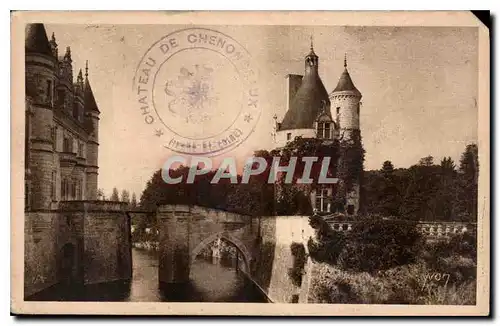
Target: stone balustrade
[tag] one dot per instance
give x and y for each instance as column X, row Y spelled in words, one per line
column 429, row 229
column 445, row 229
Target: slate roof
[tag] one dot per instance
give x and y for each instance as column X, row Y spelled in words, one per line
column 36, row 40
column 345, row 84
column 307, row 103
column 88, row 98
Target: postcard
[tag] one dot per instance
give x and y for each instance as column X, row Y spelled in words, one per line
column 250, row 163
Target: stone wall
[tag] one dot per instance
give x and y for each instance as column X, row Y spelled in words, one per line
column 95, row 236
column 274, row 257
column 40, row 251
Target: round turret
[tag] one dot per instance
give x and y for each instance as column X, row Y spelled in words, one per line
column 345, row 104
column 40, row 68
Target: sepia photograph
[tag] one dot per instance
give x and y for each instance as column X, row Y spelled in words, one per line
column 293, row 162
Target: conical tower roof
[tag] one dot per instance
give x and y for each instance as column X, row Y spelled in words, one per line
column 36, row 40
column 345, row 83
column 307, row 102
column 88, row 96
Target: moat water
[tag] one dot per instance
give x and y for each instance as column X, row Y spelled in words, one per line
column 211, row 281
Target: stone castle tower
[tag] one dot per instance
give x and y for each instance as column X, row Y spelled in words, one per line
column 313, row 113
column 62, row 123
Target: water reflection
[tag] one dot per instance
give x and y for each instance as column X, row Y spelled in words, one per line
column 211, row 281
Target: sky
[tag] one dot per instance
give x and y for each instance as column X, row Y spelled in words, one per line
column 419, row 88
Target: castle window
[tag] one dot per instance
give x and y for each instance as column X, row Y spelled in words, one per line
column 68, row 145
column 80, row 149
column 53, row 135
column 64, row 188
column 60, row 98
column 53, row 186
column 49, row 91
column 323, row 131
column 322, row 200
column 79, row 189
column 73, row 189
column 80, row 114
column 338, row 110
column 289, row 136
column 75, row 111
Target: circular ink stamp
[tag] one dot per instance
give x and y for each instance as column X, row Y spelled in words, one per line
column 197, row 89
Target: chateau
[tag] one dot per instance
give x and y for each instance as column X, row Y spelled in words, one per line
column 62, row 123
column 313, row 113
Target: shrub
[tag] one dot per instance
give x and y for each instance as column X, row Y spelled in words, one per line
column 294, row 298
column 378, row 244
column 328, row 243
column 399, row 285
column 331, row 285
column 299, row 260
column 457, row 255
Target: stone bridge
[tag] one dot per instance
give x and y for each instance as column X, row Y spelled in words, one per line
column 185, row 230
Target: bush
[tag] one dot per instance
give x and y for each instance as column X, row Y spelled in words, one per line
column 328, row 243
column 456, row 256
column 331, row 285
column 399, row 285
column 299, row 260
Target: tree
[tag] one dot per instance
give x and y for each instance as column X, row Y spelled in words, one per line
column 389, row 198
column 426, row 161
column 100, row 194
column 133, row 202
column 387, row 168
column 468, row 183
column 114, row 195
column 125, row 196
column 420, row 191
column 446, row 195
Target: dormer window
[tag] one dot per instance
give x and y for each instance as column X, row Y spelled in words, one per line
column 60, row 98
column 324, row 130
column 75, row 111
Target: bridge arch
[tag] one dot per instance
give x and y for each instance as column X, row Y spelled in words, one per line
column 229, row 238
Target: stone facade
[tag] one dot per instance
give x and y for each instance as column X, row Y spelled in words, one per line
column 62, row 122
column 70, row 238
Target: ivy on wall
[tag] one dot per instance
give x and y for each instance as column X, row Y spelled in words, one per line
column 346, row 164
column 350, row 166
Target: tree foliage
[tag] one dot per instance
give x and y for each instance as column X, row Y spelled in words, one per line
column 392, row 242
column 425, row 191
column 114, row 195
